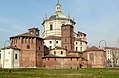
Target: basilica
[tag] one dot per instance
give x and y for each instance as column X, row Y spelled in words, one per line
column 59, row 47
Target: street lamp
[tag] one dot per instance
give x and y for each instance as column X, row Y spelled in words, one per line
column 7, row 41
column 102, row 41
column 103, row 49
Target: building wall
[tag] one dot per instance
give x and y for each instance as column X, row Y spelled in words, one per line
column 68, row 37
column 80, row 46
column 95, row 58
column 62, row 62
column 31, row 48
column 112, row 57
column 52, row 43
column 58, row 52
column 27, row 55
column 56, row 31
column 10, row 57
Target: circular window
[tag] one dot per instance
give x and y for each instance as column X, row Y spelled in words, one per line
column 57, row 42
column 50, row 42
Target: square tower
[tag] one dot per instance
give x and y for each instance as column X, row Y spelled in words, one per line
column 67, row 37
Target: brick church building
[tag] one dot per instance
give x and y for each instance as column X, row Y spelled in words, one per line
column 60, row 47
column 31, row 48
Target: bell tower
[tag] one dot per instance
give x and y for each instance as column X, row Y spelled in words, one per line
column 67, row 37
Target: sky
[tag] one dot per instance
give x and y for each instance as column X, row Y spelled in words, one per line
column 99, row 19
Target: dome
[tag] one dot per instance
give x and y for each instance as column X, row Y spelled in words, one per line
column 58, row 14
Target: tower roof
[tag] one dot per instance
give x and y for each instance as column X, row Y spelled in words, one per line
column 93, row 48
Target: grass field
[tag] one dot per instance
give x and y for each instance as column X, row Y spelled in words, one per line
column 61, row 73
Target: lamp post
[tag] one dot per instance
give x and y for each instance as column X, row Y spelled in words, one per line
column 7, row 41
column 104, row 43
column 103, row 49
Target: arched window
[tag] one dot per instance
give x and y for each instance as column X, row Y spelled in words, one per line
column 51, row 27
column 57, row 42
column 91, row 57
column 50, row 42
column 28, row 46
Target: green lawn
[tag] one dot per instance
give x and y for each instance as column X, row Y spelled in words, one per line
column 61, row 73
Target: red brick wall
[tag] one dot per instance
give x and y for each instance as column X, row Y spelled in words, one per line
column 31, row 57
column 62, row 63
column 99, row 59
column 67, row 37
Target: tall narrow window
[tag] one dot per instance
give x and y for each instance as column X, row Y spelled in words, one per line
column 61, row 52
column 76, row 48
column 51, row 27
column 91, row 56
column 54, row 52
column 80, row 48
column 81, row 43
column 39, row 47
column 16, row 56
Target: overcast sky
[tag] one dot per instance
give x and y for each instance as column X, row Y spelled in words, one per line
column 99, row 19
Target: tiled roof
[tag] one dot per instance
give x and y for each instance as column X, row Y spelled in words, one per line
column 8, row 47
column 71, row 51
column 27, row 34
column 93, row 48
